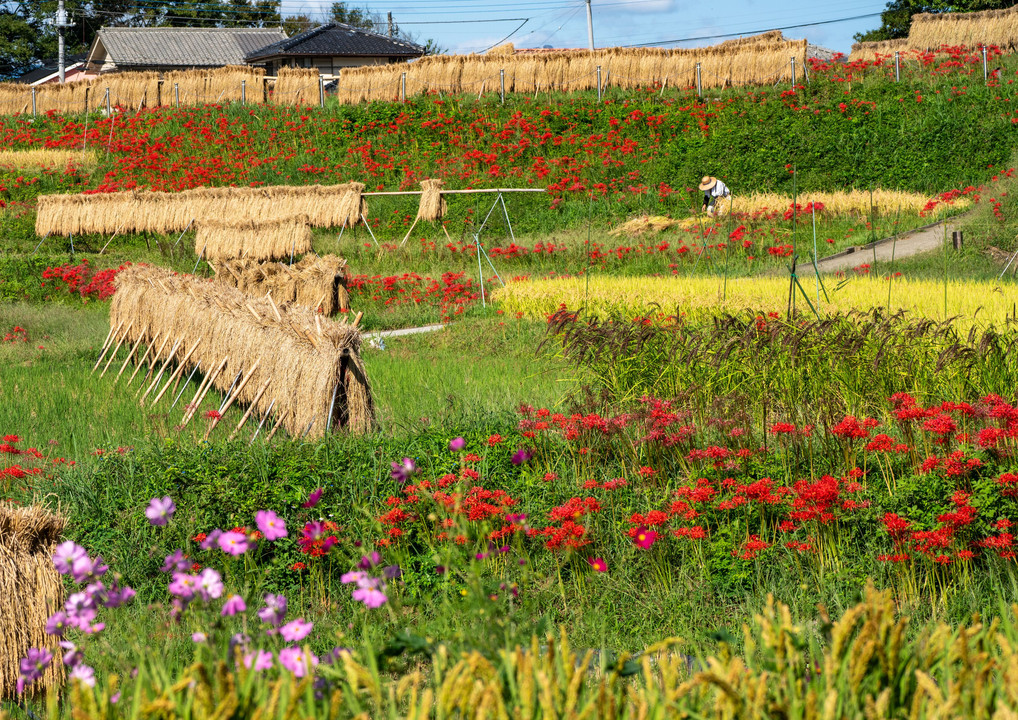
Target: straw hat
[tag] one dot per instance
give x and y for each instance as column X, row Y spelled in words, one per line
column 708, row 182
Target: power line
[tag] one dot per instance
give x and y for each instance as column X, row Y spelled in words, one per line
column 753, row 32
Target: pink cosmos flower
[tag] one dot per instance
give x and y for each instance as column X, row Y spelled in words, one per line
column 313, row 498
column 210, row 584
column 233, row 543
column 644, row 538
column 370, row 597
column 274, row 610
column 297, row 661
column 84, row 674
column 233, row 605
column 598, row 564
column 65, row 556
column 199, row 637
column 457, row 444
column 296, row 630
column 258, row 660
column 272, row 526
column 160, row 510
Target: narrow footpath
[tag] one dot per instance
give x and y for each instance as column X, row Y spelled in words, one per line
column 910, row 243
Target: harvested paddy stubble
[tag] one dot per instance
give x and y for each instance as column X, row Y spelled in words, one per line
column 314, row 282
column 30, row 590
column 314, row 366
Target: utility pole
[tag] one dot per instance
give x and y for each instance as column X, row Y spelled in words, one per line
column 590, row 27
column 61, row 24
column 392, row 28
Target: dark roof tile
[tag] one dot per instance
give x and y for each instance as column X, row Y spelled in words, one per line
column 185, row 47
column 339, row 39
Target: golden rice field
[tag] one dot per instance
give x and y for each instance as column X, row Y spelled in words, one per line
column 45, row 158
column 972, row 302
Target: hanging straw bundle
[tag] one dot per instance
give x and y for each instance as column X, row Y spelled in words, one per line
column 255, row 239
column 30, row 590
column 296, row 86
column 351, row 207
column 433, row 205
column 931, row 31
column 872, row 50
column 314, row 282
column 314, row 366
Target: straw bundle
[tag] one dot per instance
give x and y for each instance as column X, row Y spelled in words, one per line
column 47, row 157
column 433, row 205
column 296, row 86
column 314, row 365
column 314, row 282
column 165, row 212
column 30, row 590
column 352, row 206
column 503, row 49
column 757, row 59
column 256, row 239
column 868, row 51
column 930, row 31
column 198, row 87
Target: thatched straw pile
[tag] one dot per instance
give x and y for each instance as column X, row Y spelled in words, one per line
column 989, row 27
column 762, row 58
column 30, row 590
column 869, row 51
column 132, row 90
column 433, row 205
column 254, row 239
column 162, row 212
column 296, row 86
column 314, row 282
column 310, row 361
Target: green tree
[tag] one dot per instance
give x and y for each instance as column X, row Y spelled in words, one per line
column 896, row 19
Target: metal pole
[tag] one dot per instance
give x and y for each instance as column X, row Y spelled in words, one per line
column 897, row 66
column 108, row 112
column 599, row 83
column 590, row 28
column 321, row 91
column 176, row 93
column 501, row 76
column 985, row 77
column 33, row 102
column 402, row 87
column 243, row 92
column 480, row 270
column 793, row 70
column 699, row 87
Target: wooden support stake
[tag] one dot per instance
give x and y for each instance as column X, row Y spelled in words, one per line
column 176, row 373
column 130, row 355
column 203, row 389
column 253, row 312
column 250, row 408
column 141, row 363
column 407, row 236
column 357, row 320
column 117, row 348
column 152, row 361
column 230, row 400
column 276, row 426
column 279, row 318
column 106, row 346
column 105, row 343
column 159, row 375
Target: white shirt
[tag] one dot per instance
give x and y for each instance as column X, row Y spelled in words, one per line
column 719, row 190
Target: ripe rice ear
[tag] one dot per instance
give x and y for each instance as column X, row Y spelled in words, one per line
column 433, row 205
column 30, row 590
column 258, row 240
column 308, row 359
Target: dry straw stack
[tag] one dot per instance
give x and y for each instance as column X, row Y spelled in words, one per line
column 930, row 31
column 273, row 239
column 433, row 205
column 30, row 590
column 312, row 366
column 314, row 282
column 199, row 87
column 758, row 59
column 296, row 86
column 161, row 212
column 868, row 51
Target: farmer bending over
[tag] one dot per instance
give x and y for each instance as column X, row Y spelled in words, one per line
column 712, row 190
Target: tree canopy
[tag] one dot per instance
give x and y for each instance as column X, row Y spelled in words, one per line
column 896, row 19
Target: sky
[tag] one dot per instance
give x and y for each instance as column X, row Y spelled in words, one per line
column 462, row 26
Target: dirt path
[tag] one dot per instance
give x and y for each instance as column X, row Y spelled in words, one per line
column 917, row 241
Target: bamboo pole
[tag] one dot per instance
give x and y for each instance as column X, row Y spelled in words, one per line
column 276, row 426
column 357, row 319
column 203, row 389
column 159, row 375
column 106, row 342
column 176, row 373
column 106, row 346
column 141, row 363
column 250, row 408
column 264, row 418
column 152, row 362
column 127, row 359
column 232, row 397
column 117, row 348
